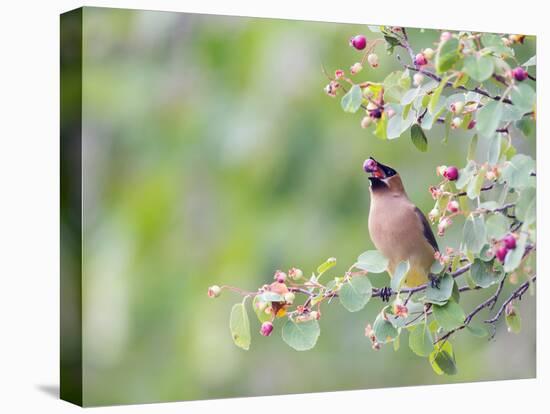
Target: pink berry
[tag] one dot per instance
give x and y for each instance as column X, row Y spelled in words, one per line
column 471, row 124
column 519, row 74
column 266, row 328
column 359, row 42
column 501, row 253
column 451, row 173
column 453, row 206
column 509, row 241
column 370, row 165
column 445, row 36
column 420, row 60
column 279, row 276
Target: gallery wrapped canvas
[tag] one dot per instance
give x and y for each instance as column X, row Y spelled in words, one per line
column 261, row 206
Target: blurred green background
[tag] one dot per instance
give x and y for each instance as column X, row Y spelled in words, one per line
column 211, row 155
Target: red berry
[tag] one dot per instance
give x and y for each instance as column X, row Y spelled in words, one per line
column 501, row 253
column 509, row 241
column 519, row 74
column 370, row 165
column 420, row 60
column 359, row 42
column 451, row 173
column 266, row 328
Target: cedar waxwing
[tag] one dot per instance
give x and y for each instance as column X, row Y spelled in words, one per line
column 398, row 228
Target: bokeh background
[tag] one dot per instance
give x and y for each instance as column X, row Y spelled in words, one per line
column 211, row 155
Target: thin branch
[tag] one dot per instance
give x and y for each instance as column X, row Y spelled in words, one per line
column 516, row 294
column 490, row 302
column 460, row 87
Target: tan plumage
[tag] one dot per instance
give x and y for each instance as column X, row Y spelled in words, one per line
column 398, row 229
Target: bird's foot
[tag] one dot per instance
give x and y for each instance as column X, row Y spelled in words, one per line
column 434, row 281
column 385, row 293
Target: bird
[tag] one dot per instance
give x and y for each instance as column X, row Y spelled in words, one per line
column 397, row 227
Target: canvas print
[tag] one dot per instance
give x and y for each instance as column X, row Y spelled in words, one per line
column 264, row 206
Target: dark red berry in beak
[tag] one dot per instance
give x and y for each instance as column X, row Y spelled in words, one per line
column 370, row 165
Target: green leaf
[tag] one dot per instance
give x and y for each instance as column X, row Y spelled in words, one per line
column 449, row 316
column 488, row 118
column 301, row 336
column 524, row 96
column 372, row 261
column 532, row 61
column 526, row 126
column 259, row 309
column 329, row 264
column 514, row 256
column 420, row 340
column 352, row 100
column 442, row 359
column 399, row 275
column 483, row 273
column 497, row 226
column 240, row 326
column 436, row 95
column 381, row 127
column 410, row 96
column 480, row 68
column 465, row 175
column 513, row 321
column 383, row 330
column 494, row 44
column 472, row 148
column 355, row 294
column 517, row 172
column 477, row 329
column 447, row 55
column 440, row 295
column 455, row 295
column 419, row 138
column 493, row 151
column 526, row 206
column 396, row 124
column 395, row 86
column 474, row 233
column 474, row 186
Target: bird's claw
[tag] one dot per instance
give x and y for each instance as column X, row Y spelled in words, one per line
column 434, row 281
column 385, row 294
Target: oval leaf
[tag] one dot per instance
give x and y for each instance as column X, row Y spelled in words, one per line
column 480, row 68
column 383, row 330
column 355, row 294
column 240, row 326
column 419, row 138
column 420, row 340
column 442, row 359
column 372, row 261
column 449, row 316
column 440, row 294
column 483, row 274
column 352, row 100
column 301, row 336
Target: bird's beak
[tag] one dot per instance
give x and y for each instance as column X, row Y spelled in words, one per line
column 378, row 170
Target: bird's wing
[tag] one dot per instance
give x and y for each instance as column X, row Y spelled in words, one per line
column 427, row 230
